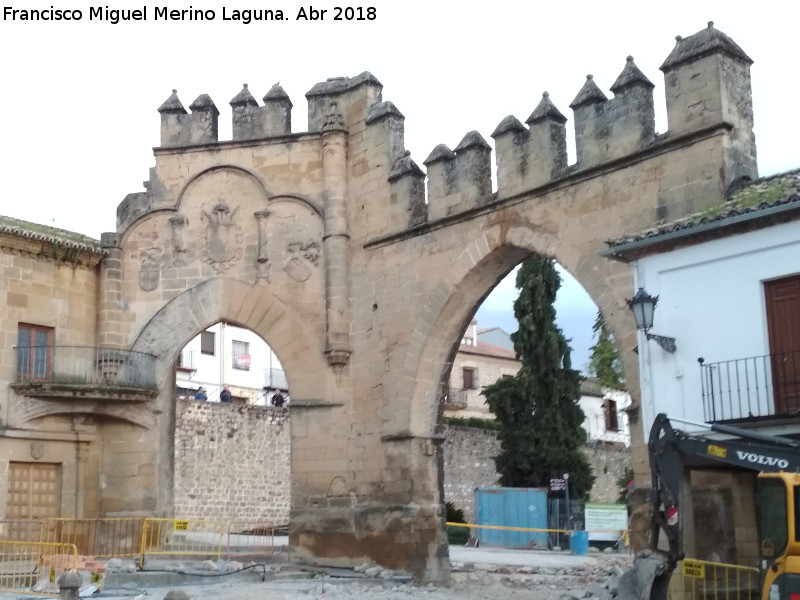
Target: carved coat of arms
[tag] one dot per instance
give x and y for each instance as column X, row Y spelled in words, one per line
column 221, row 243
column 150, row 269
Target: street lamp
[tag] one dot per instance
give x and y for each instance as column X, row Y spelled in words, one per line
column 643, row 306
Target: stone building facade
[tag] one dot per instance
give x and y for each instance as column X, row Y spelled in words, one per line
column 358, row 268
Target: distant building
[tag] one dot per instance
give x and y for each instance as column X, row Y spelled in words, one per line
column 229, row 355
column 496, row 337
column 486, row 355
column 477, row 364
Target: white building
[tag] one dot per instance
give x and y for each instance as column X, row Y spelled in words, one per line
column 728, row 288
column 225, row 354
column 605, row 415
column 724, row 347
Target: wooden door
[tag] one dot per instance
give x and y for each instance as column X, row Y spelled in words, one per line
column 783, row 322
column 34, row 493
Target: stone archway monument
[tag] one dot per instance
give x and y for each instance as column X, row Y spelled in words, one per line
column 362, row 271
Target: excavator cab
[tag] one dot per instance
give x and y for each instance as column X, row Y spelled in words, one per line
column 778, row 507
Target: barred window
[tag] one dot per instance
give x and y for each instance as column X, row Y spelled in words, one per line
column 241, row 355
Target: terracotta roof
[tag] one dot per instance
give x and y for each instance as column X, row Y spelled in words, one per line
column 751, row 205
column 53, row 235
column 488, row 350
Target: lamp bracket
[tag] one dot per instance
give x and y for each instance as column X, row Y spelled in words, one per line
column 667, row 343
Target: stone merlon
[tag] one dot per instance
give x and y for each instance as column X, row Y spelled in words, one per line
column 547, row 110
column 705, row 42
column 588, row 94
column 181, row 129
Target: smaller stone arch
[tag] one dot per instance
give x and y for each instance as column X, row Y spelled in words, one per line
column 253, row 307
column 202, row 176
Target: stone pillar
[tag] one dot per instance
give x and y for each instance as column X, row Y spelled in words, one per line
column 109, row 323
column 335, row 239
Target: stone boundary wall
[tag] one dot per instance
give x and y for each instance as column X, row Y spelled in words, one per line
column 232, row 462
column 469, row 464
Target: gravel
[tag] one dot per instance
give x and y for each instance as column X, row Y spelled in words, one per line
column 508, row 575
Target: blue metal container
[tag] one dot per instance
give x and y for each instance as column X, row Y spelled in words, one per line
column 511, row 507
column 579, row 542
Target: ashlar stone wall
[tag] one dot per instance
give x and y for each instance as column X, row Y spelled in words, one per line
column 232, row 462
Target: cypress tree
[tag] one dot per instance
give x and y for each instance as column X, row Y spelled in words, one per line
column 605, row 363
column 542, row 435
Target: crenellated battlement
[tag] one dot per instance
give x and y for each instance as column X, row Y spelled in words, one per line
column 707, row 85
column 350, row 97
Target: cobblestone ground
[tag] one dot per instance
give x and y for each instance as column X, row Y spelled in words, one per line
column 595, row 578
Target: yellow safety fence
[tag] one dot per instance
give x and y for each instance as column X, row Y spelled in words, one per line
column 208, row 539
column 704, row 580
column 34, row 567
column 181, row 537
column 101, row 538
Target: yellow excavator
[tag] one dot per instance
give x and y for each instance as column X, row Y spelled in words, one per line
column 777, row 461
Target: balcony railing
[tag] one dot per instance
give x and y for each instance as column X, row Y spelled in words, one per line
column 751, row 388
column 457, row 398
column 275, row 379
column 82, row 365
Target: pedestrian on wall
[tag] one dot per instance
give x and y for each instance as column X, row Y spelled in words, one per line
column 277, row 399
column 225, row 395
column 201, row 394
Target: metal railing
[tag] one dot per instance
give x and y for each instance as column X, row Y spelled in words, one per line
column 748, row 388
column 34, row 567
column 85, row 365
column 275, row 379
column 101, row 538
column 186, row 360
column 700, row 580
column 182, row 537
column 457, row 398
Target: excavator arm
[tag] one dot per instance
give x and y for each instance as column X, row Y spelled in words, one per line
column 672, row 451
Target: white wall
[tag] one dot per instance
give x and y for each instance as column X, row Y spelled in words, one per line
column 594, row 423
column 711, row 299
column 212, row 371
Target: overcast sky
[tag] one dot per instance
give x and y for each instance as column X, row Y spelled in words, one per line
column 79, row 98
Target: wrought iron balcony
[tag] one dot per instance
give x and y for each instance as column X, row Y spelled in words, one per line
column 758, row 387
column 457, row 399
column 88, row 372
column 275, row 379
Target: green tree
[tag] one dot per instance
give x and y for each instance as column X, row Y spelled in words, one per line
column 541, row 435
column 605, row 363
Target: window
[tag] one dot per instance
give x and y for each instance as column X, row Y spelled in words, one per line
column 241, row 355
column 34, row 351
column 208, row 343
column 470, row 376
column 610, row 408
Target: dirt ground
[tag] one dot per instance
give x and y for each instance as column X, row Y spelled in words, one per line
column 479, row 575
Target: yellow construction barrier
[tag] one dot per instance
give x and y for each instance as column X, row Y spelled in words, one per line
column 704, row 580
column 182, row 538
column 34, row 567
column 101, row 538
